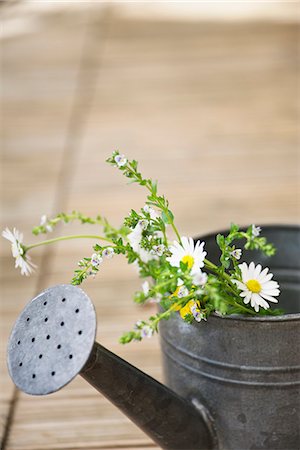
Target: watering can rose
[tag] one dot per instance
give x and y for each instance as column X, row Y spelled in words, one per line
column 178, row 275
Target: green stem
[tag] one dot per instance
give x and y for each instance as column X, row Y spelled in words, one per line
column 176, row 232
column 214, row 268
column 65, row 238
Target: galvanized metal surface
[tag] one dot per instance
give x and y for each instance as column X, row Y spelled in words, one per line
column 51, row 340
column 246, row 370
column 239, row 374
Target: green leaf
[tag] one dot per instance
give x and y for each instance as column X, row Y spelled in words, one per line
column 220, row 240
column 167, row 217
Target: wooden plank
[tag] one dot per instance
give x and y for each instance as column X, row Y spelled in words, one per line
column 209, row 110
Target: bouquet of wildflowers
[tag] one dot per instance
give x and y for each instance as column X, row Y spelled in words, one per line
column 178, row 275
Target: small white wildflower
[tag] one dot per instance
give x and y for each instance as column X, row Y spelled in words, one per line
column 200, row 278
column 158, row 249
column 236, row 253
column 146, row 331
column 198, row 315
column 256, row 286
column 256, row 231
column 182, row 291
column 156, row 299
column 96, row 259
column 108, row 252
column 137, row 325
column 146, row 287
column 44, row 223
column 143, row 223
column 21, row 259
column 151, row 211
column 120, row 160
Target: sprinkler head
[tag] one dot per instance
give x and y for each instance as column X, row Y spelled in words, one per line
column 51, row 340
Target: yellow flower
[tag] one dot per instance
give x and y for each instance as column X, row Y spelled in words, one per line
column 187, row 309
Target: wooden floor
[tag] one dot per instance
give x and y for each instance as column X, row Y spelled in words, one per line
column 211, row 110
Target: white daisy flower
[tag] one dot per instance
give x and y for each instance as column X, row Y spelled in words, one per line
column 21, row 259
column 189, row 253
column 236, row 253
column 256, row 231
column 96, row 260
column 256, row 286
column 120, row 160
column 108, row 252
column 200, row 278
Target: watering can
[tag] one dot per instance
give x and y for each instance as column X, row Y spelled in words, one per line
column 233, row 381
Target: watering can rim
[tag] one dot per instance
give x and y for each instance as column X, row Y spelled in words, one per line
column 241, row 317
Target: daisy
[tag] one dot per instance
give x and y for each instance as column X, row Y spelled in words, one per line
column 189, row 253
column 21, row 259
column 256, row 286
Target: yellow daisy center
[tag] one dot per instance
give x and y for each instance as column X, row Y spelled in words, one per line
column 253, row 286
column 189, row 260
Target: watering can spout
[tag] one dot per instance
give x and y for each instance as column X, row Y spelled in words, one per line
column 53, row 340
column 170, row 420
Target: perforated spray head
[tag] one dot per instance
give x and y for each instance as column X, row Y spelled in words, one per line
column 51, row 340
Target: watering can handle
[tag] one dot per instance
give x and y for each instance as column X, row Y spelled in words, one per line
column 170, row 420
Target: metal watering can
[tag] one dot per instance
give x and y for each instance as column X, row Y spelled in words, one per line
column 233, row 381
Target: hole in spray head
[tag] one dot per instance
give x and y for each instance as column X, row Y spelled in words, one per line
column 45, row 303
column 28, row 318
column 33, row 375
column 77, row 311
column 58, row 347
column 53, row 373
column 21, row 364
column 70, row 356
column 46, row 319
column 19, row 342
column 48, row 337
column 33, row 339
column 63, row 300
column 80, row 332
column 62, row 324
column 40, row 356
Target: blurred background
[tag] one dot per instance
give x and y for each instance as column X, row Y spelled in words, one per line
column 204, row 95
